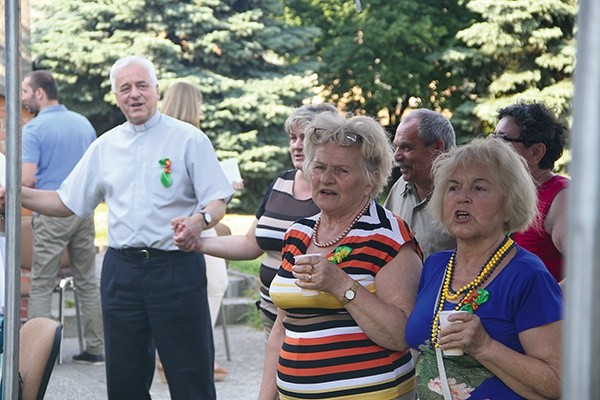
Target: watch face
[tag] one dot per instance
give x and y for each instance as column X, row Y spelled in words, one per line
column 207, row 218
column 350, row 294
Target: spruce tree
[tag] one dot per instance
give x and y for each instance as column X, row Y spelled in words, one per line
column 517, row 50
column 252, row 66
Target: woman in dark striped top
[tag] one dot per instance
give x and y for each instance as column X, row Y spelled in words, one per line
column 339, row 333
column 286, row 200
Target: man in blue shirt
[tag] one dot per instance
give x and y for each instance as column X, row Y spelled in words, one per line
column 53, row 143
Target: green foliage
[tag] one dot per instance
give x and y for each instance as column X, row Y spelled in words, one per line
column 253, row 317
column 386, row 55
column 255, row 60
column 517, row 50
column 252, row 66
column 250, row 267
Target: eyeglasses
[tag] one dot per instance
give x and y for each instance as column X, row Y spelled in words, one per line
column 343, row 138
column 502, row 136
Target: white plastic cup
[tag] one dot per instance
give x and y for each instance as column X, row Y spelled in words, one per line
column 307, row 292
column 445, row 323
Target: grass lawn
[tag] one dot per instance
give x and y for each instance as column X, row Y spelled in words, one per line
column 101, row 225
column 238, row 224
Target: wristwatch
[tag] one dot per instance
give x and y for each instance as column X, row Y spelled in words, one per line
column 350, row 294
column 207, row 217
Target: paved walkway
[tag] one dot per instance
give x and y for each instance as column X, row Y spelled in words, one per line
column 70, row 381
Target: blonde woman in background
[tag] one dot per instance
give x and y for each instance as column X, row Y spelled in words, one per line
column 183, row 101
column 287, row 199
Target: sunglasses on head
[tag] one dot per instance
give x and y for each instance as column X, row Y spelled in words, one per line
column 343, row 138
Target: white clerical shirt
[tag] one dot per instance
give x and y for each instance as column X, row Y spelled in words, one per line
column 122, row 167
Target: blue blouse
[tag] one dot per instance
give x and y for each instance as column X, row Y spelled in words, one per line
column 522, row 296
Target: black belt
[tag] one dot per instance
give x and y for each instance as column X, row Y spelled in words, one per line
column 144, row 253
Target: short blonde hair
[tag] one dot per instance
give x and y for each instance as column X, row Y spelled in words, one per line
column 183, row 101
column 375, row 147
column 514, row 179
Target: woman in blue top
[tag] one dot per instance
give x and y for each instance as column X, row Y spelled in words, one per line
column 511, row 332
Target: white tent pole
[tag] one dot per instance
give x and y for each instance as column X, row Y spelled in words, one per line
column 581, row 343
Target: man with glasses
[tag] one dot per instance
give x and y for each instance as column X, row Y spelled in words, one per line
column 538, row 136
column 420, row 138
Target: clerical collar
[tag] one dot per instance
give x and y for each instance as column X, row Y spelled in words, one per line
column 148, row 124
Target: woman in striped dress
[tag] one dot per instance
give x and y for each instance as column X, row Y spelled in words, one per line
column 286, row 200
column 339, row 333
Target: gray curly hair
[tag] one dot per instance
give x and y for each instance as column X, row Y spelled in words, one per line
column 375, row 147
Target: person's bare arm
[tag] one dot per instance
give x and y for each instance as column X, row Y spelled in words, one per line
column 28, row 171
column 383, row 315
column 45, row 202
column 268, row 385
column 556, row 223
column 187, row 229
column 216, row 209
column 533, row 375
column 231, row 247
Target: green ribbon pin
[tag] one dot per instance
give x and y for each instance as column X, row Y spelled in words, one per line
column 476, row 299
column 339, row 254
column 165, row 176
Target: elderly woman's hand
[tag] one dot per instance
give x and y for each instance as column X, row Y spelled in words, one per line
column 465, row 332
column 186, row 232
column 318, row 273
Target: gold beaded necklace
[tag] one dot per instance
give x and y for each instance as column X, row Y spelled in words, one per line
column 341, row 235
column 486, row 271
